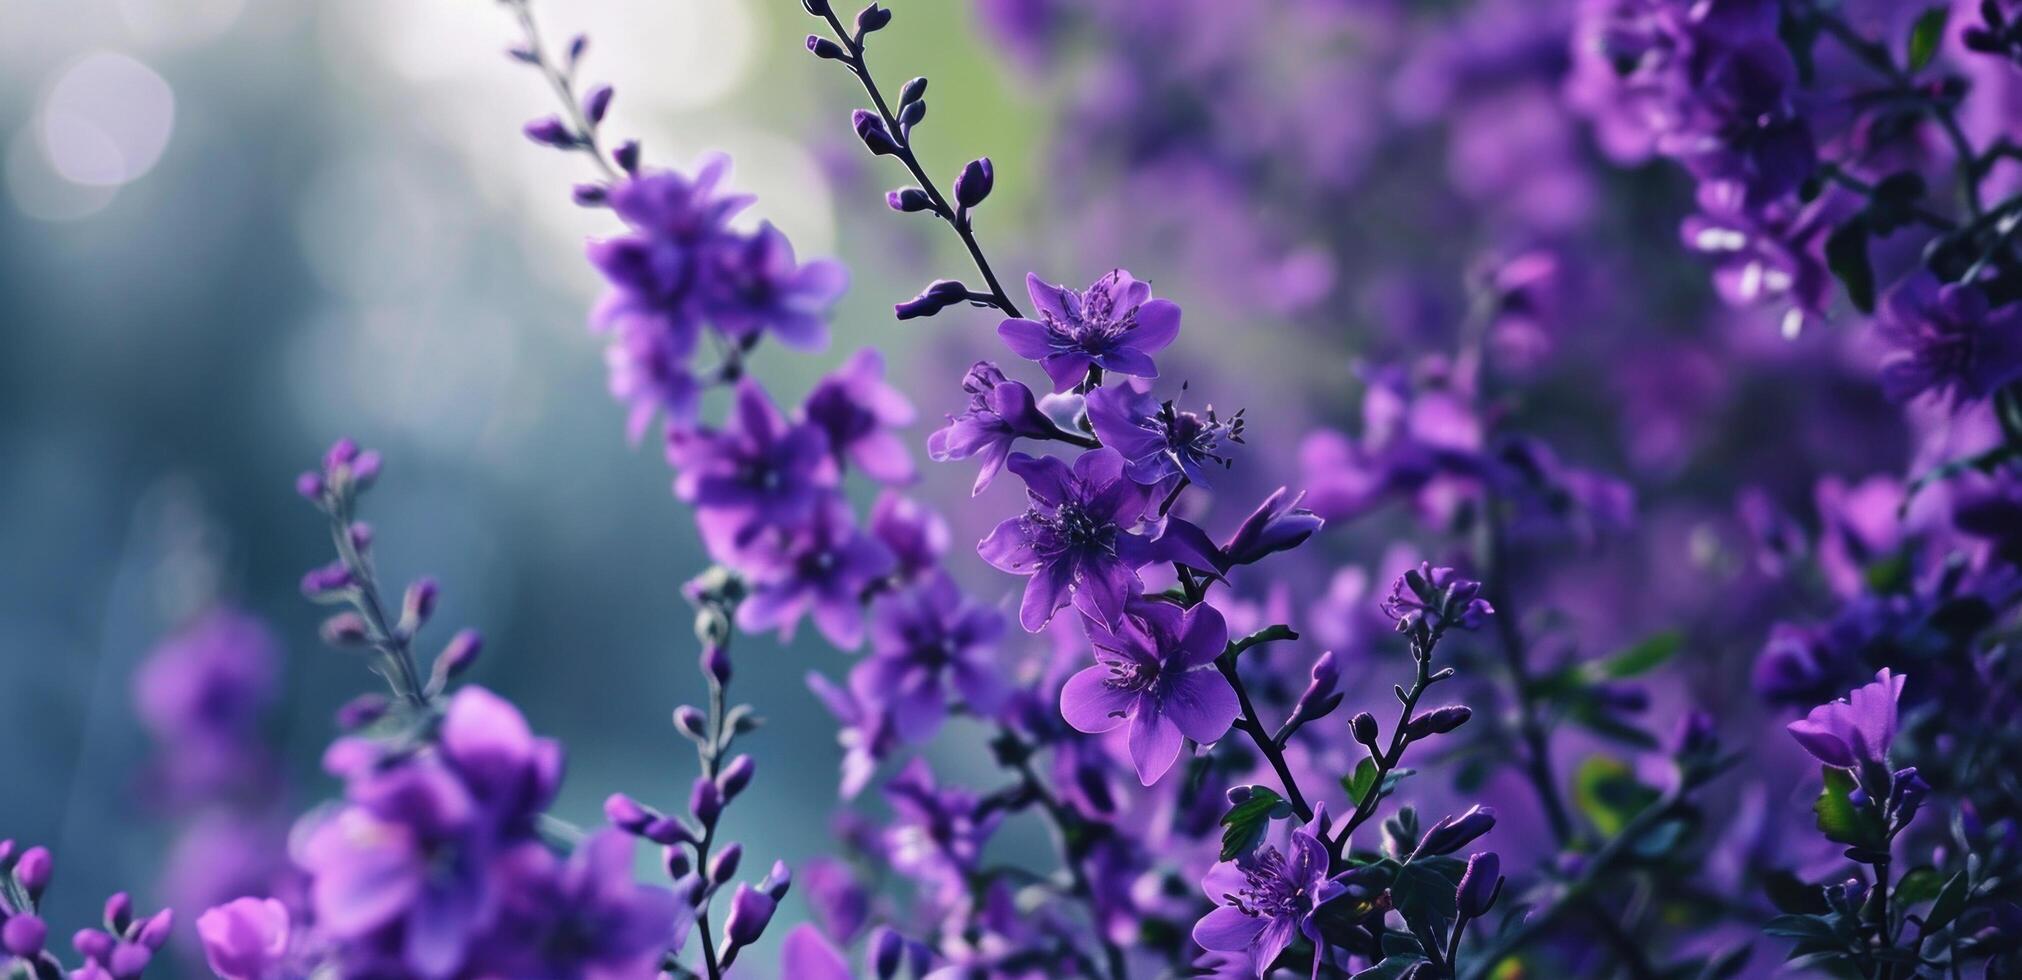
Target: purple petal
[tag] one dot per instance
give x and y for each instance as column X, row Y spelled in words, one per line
column 1158, row 323
column 1154, row 744
column 1228, row 930
column 1202, row 704
column 1093, row 705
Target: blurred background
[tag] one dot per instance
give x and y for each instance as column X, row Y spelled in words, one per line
column 236, row 229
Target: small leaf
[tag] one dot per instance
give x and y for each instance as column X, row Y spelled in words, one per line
column 1950, row 902
column 1804, row 927
column 1838, row 818
column 1426, row 899
column 1925, row 35
column 1246, row 822
column 1608, row 793
column 1360, row 782
column 1846, row 254
column 1790, row 894
column 1644, row 657
column 1918, row 885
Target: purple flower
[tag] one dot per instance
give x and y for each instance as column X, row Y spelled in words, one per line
column 245, row 939
column 755, row 286
column 1157, row 672
column 1764, row 254
column 937, row 835
column 1158, row 441
column 655, row 273
column 858, row 411
column 916, row 535
column 866, row 733
column 201, row 692
column 583, row 917
column 1000, row 412
column 1855, row 730
column 1115, row 325
column 807, row 955
column 757, row 473
column 407, row 862
column 1435, row 599
column 1265, row 899
column 1278, row 524
column 925, row 640
column 1077, row 541
column 823, row 567
column 1945, row 340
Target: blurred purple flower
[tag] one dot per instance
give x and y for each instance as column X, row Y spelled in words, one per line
column 925, row 641
column 858, row 411
column 1000, row 412
column 1855, row 730
column 1945, row 339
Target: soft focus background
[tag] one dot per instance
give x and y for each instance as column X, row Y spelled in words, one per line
column 236, row 229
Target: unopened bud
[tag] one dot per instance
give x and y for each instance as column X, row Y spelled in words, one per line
column 736, row 776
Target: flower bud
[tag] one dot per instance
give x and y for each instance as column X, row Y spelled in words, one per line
column 871, row 129
column 457, row 656
column 1451, row 833
column 23, row 935
column 723, row 866
column 818, row 8
column 689, row 720
column 975, row 181
column 716, row 663
column 1364, row 726
column 92, row 944
column 1907, row 791
column 910, row 115
column 597, row 103
column 1480, row 884
column 360, row 534
column 887, row 950
column 310, row 486
column 826, row 49
column 666, row 831
column 939, row 295
column 1278, row 524
column 128, row 959
column 419, row 602
column 909, row 200
column 321, row 581
column 706, row 801
column 626, row 813
column 340, row 454
column 346, row 629
column 523, row 54
column 777, row 881
column 1438, row 721
column 914, row 91
column 154, row 932
column 675, row 859
column 32, row 871
column 365, row 469
column 361, row 711
column 736, row 776
column 626, row 156
column 577, row 45
column 118, row 913
column 750, row 912
column 1696, row 734
column 590, row 195
column 550, row 131
column 872, row 18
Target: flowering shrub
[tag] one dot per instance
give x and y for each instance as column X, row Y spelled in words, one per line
column 1224, row 795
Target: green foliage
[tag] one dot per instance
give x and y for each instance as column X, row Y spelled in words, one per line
column 1839, row 819
column 1925, row 35
column 1245, row 823
column 1358, row 783
column 1846, row 254
column 1607, row 792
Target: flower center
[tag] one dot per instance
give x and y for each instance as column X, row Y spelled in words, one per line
column 1268, row 890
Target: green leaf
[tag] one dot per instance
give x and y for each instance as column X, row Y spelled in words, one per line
column 1918, row 885
column 1805, row 927
column 1950, row 902
column 1644, row 657
column 1606, row 791
column 1925, row 35
column 1246, row 822
column 1846, row 254
column 1425, row 898
column 1838, row 818
column 1358, row 783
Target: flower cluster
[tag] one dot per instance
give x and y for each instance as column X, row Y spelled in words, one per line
column 122, row 949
